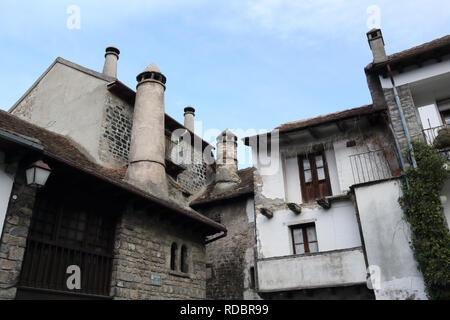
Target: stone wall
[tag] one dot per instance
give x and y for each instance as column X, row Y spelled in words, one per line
column 229, row 259
column 116, row 131
column 411, row 115
column 15, row 233
column 114, row 145
column 142, row 250
column 197, row 174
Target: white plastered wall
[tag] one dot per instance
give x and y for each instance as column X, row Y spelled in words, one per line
column 387, row 238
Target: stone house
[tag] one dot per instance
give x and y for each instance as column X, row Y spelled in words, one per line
column 115, row 204
column 328, row 223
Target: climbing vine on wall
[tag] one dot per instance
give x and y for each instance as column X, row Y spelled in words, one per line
column 421, row 203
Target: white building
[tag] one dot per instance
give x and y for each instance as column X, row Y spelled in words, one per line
column 328, row 221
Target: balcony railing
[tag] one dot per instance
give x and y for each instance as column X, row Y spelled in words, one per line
column 370, row 166
column 432, row 133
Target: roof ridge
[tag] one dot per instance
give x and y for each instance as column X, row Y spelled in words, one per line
column 393, row 55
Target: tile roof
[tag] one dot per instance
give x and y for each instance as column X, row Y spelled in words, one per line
column 244, row 188
column 64, row 150
column 428, row 50
column 340, row 115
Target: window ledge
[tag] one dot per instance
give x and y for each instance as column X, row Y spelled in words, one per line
column 179, row 274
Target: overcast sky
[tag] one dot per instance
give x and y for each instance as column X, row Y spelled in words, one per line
column 241, row 64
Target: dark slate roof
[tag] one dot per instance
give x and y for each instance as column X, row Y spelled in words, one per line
column 64, row 150
column 324, row 119
column 433, row 49
column 244, row 188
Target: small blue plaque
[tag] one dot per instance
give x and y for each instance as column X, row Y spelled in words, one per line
column 155, row 280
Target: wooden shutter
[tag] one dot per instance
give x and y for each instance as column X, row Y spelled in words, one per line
column 314, row 176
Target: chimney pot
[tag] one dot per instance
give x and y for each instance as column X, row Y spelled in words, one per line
column 111, row 58
column 189, row 115
column 376, row 43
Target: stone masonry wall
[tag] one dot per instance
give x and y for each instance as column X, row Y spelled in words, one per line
column 197, row 174
column 15, row 233
column 411, row 115
column 116, row 131
column 229, row 259
column 114, row 145
column 142, row 250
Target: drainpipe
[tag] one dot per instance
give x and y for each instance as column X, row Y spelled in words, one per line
column 399, row 152
column 402, row 117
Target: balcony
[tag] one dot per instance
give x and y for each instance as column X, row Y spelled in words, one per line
column 319, row 270
column 431, row 134
column 372, row 166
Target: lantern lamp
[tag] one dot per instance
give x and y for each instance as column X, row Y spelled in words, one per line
column 37, row 174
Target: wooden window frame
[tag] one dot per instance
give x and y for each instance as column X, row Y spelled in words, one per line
column 306, row 242
column 315, row 183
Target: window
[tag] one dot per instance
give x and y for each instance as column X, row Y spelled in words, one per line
column 304, row 239
column 173, row 256
column 70, row 226
column 252, row 278
column 314, row 177
column 184, row 260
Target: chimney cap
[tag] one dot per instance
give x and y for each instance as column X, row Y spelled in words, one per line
column 112, row 49
column 226, row 135
column 375, row 34
column 152, row 68
column 189, row 109
column 152, row 73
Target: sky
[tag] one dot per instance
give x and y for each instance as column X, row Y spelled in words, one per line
column 243, row 65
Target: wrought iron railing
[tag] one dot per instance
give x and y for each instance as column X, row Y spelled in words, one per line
column 431, row 134
column 45, row 266
column 370, row 166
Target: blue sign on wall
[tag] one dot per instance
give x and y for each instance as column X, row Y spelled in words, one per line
column 155, row 280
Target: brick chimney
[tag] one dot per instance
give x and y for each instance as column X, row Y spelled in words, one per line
column 146, row 167
column 227, row 177
column 376, row 44
column 111, row 58
column 189, row 115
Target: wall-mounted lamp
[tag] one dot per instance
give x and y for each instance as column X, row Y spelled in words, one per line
column 37, row 174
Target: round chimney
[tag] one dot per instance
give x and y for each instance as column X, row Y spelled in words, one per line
column 189, row 114
column 111, row 58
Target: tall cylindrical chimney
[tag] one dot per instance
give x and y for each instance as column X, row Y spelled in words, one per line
column 227, row 177
column 189, row 114
column 111, row 58
column 376, row 43
column 147, row 149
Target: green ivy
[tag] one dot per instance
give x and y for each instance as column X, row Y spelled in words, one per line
column 421, row 203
